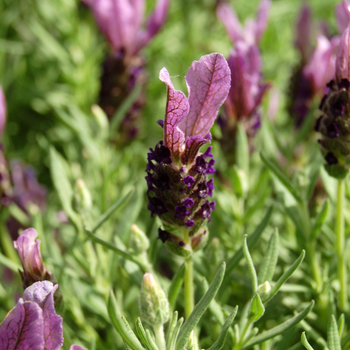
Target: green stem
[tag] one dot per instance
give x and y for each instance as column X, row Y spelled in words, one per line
column 340, row 241
column 160, row 338
column 188, row 282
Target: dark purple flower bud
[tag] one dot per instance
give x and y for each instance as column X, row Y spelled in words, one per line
column 33, row 322
column 177, row 171
column 29, row 251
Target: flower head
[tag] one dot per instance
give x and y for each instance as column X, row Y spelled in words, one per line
column 28, row 249
column 178, row 189
column 342, row 15
column 121, row 21
column 335, row 121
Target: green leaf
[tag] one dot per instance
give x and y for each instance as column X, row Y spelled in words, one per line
column 252, row 239
column 333, row 339
column 237, row 182
column 121, row 325
column 143, row 336
column 222, row 337
column 285, row 276
column 175, row 286
column 341, row 323
column 283, row 327
column 319, row 221
column 250, row 263
column 257, row 309
column 281, row 177
column 269, row 262
column 200, row 308
column 174, row 332
column 305, row 342
column 124, row 254
column 62, row 185
column 110, row 211
column 242, row 150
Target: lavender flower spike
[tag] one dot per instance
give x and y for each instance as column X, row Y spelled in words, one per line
column 29, row 251
column 121, row 21
column 334, row 123
column 33, row 322
column 178, row 189
column 253, row 29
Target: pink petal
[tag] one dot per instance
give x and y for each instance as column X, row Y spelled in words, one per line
column 342, row 64
column 303, row 32
column 22, row 328
column 229, row 19
column 342, row 14
column 208, row 82
column 319, row 70
column 261, row 19
column 176, row 110
column 42, row 294
column 3, row 111
column 76, row 347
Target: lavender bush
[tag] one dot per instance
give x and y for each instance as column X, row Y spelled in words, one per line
column 111, row 241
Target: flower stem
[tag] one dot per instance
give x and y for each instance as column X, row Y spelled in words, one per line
column 340, row 240
column 188, row 281
column 188, row 285
column 160, row 339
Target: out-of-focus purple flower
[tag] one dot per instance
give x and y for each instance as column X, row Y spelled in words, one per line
column 3, row 111
column 76, row 347
column 303, row 33
column 245, row 96
column 5, row 180
column 334, row 124
column 28, row 249
column 253, row 29
column 178, row 189
column 342, row 13
column 315, row 70
column 121, row 22
column 33, row 322
column 26, row 189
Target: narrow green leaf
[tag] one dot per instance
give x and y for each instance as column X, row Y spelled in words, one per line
column 242, row 150
column 252, row 239
column 200, row 308
column 341, row 323
column 285, row 276
column 222, row 337
column 250, row 263
column 269, row 262
column 237, row 183
column 320, row 219
column 257, row 309
column 143, row 336
column 62, row 185
column 122, row 253
column 110, row 211
column 283, row 327
column 305, row 342
column 150, row 340
column 5, row 261
column 281, row 176
column 175, row 286
column 121, row 325
column 333, row 340
column 124, row 109
column 171, row 327
column 171, row 343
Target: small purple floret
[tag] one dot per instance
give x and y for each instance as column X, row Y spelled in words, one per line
column 181, row 212
column 188, row 202
column 189, row 223
column 206, row 209
column 189, row 181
